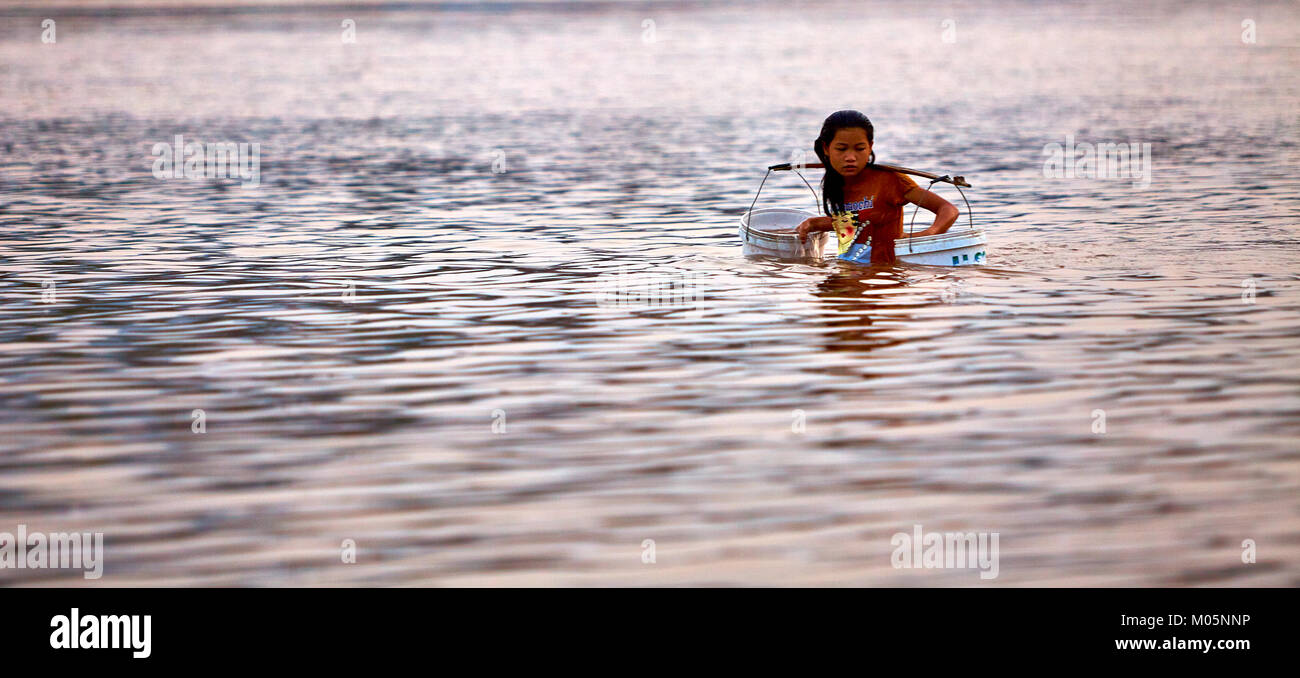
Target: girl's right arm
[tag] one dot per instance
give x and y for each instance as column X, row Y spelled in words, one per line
column 814, row 225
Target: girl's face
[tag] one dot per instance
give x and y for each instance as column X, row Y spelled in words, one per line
column 849, row 151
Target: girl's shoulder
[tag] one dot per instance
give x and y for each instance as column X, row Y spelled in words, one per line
column 891, row 185
column 890, row 176
column 905, row 183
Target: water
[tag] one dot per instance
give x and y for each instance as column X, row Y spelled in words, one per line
column 404, row 335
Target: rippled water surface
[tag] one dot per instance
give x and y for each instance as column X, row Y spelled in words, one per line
column 429, row 328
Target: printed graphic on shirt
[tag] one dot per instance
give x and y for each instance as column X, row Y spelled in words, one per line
column 848, row 225
column 859, row 253
column 846, row 229
column 866, row 204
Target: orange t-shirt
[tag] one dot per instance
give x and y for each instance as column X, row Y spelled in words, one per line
column 879, row 201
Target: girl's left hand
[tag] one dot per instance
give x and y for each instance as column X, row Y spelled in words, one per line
column 930, row 231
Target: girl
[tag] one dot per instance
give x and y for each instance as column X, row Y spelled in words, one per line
column 865, row 205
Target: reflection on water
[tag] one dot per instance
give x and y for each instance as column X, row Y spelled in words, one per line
column 402, row 336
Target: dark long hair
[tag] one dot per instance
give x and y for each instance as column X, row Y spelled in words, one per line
column 833, row 182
